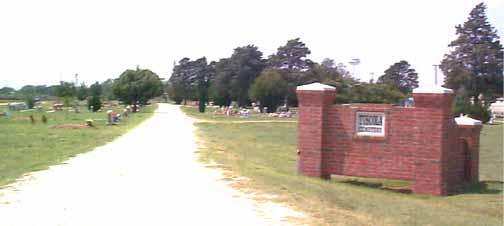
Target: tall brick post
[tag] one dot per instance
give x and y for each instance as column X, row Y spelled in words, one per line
column 433, row 139
column 469, row 131
column 314, row 100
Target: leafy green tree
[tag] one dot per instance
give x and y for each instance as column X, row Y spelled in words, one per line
column 42, row 90
column 246, row 64
column 269, row 88
column 28, row 89
column 175, row 93
column 52, row 90
column 95, row 89
column 401, row 76
column 29, row 99
column 94, row 99
column 66, row 91
column 292, row 62
column 235, row 75
column 82, row 92
column 180, row 81
column 221, row 86
column 137, row 86
column 375, row 93
column 107, row 89
column 463, row 106
column 94, row 103
column 330, row 73
column 39, row 91
column 201, row 77
column 192, row 77
column 475, row 61
column 7, row 92
column 326, row 72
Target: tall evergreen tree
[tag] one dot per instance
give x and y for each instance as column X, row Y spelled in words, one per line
column 475, row 61
column 94, row 98
column 82, row 92
column 201, row 76
column 401, row 76
column 180, row 80
column 191, row 76
column 236, row 74
column 292, row 62
column 246, row 63
column 221, row 85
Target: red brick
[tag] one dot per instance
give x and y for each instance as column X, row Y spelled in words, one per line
column 421, row 143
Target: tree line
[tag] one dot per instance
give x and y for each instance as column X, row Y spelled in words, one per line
column 132, row 87
column 247, row 76
column 473, row 68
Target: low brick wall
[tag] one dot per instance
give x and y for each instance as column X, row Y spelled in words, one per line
column 422, row 143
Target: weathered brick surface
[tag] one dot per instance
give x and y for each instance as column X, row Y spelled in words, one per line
column 421, row 143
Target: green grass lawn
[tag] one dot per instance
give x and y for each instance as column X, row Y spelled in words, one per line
column 26, row 147
column 265, row 153
column 491, row 149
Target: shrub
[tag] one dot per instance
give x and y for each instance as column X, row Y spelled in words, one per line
column 94, row 103
column 269, row 88
column 464, row 106
column 44, row 119
column 479, row 112
column 30, row 101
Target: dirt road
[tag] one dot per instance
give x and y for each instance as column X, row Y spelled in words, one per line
column 149, row 176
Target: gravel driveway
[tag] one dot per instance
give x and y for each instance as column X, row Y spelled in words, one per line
column 149, row 176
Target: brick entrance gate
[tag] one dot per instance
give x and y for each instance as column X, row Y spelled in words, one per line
column 422, row 143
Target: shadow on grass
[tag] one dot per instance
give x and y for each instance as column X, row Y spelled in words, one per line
column 378, row 185
column 483, row 187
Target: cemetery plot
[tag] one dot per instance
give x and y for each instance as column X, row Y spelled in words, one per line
column 265, row 153
column 35, row 139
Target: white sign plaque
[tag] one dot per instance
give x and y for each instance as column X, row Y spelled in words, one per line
column 370, row 123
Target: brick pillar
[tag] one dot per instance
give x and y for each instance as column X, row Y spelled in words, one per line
column 469, row 131
column 434, row 137
column 314, row 100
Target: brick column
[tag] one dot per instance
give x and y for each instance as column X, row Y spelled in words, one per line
column 469, row 131
column 433, row 137
column 314, row 100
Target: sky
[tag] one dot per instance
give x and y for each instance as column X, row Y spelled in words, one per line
column 44, row 42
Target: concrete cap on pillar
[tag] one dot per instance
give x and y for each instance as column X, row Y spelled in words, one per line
column 432, row 90
column 315, row 87
column 463, row 120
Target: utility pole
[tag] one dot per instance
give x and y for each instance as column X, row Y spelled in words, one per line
column 435, row 73
column 372, row 77
column 76, row 79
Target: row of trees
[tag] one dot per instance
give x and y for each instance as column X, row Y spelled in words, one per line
column 473, row 68
column 132, row 87
column 246, row 76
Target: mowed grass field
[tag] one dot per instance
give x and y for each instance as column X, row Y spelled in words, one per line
column 265, row 153
column 27, row 147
